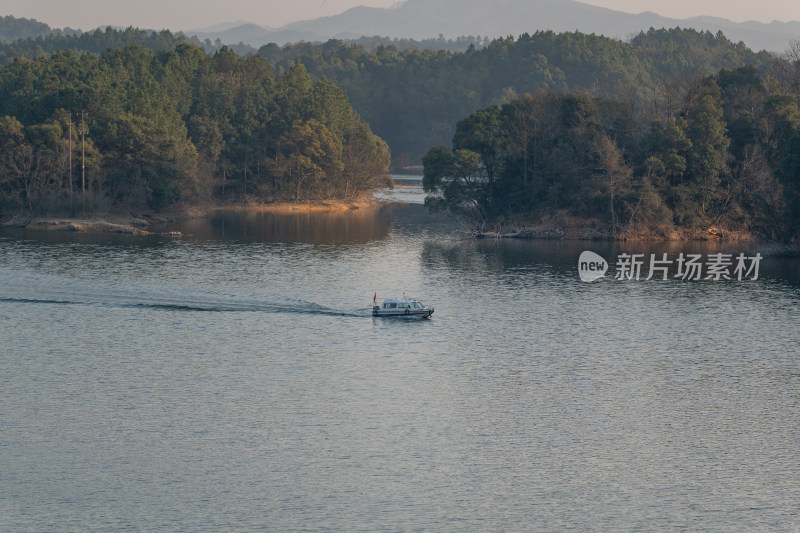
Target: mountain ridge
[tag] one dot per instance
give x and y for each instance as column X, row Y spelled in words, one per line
column 423, row 19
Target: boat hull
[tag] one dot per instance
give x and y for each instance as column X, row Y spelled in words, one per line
column 400, row 313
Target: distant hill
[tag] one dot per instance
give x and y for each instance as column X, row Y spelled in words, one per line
column 255, row 35
column 421, row 19
column 15, row 29
column 12, row 28
column 222, row 26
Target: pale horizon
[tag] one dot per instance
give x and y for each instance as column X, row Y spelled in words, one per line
column 182, row 15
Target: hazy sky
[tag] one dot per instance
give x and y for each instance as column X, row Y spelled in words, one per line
column 191, row 14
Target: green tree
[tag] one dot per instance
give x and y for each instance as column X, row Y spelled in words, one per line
column 707, row 158
column 16, row 163
column 481, row 133
column 311, row 159
column 456, row 181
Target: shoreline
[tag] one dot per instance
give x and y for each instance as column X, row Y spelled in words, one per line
column 557, row 227
column 771, row 247
column 563, row 226
column 588, row 232
column 132, row 225
column 138, row 224
column 300, row 207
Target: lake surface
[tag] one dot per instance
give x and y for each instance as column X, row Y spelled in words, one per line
column 233, row 379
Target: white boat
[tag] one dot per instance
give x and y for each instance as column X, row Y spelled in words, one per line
column 401, row 307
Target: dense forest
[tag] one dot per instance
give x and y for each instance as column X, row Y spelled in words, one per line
column 413, row 93
column 20, row 37
column 723, row 152
column 148, row 128
column 671, row 128
column 13, row 29
column 413, row 98
column 675, row 128
column 48, row 42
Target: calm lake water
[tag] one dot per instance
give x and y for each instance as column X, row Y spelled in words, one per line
column 233, row 379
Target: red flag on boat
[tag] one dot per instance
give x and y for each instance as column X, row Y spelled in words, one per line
column 375, row 298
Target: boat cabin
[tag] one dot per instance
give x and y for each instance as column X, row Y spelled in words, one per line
column 394, row 303
column 402, row 307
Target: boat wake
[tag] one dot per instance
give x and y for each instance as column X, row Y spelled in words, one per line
column 37, row 290
column 220, row 306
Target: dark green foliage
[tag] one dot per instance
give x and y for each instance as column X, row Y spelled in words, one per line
column 548, row 152
column 706, row 161
column 12, row 28
column 161, row 188
column 175, row 124
column 413, row 97
column 674, row 127
column 98, row 41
